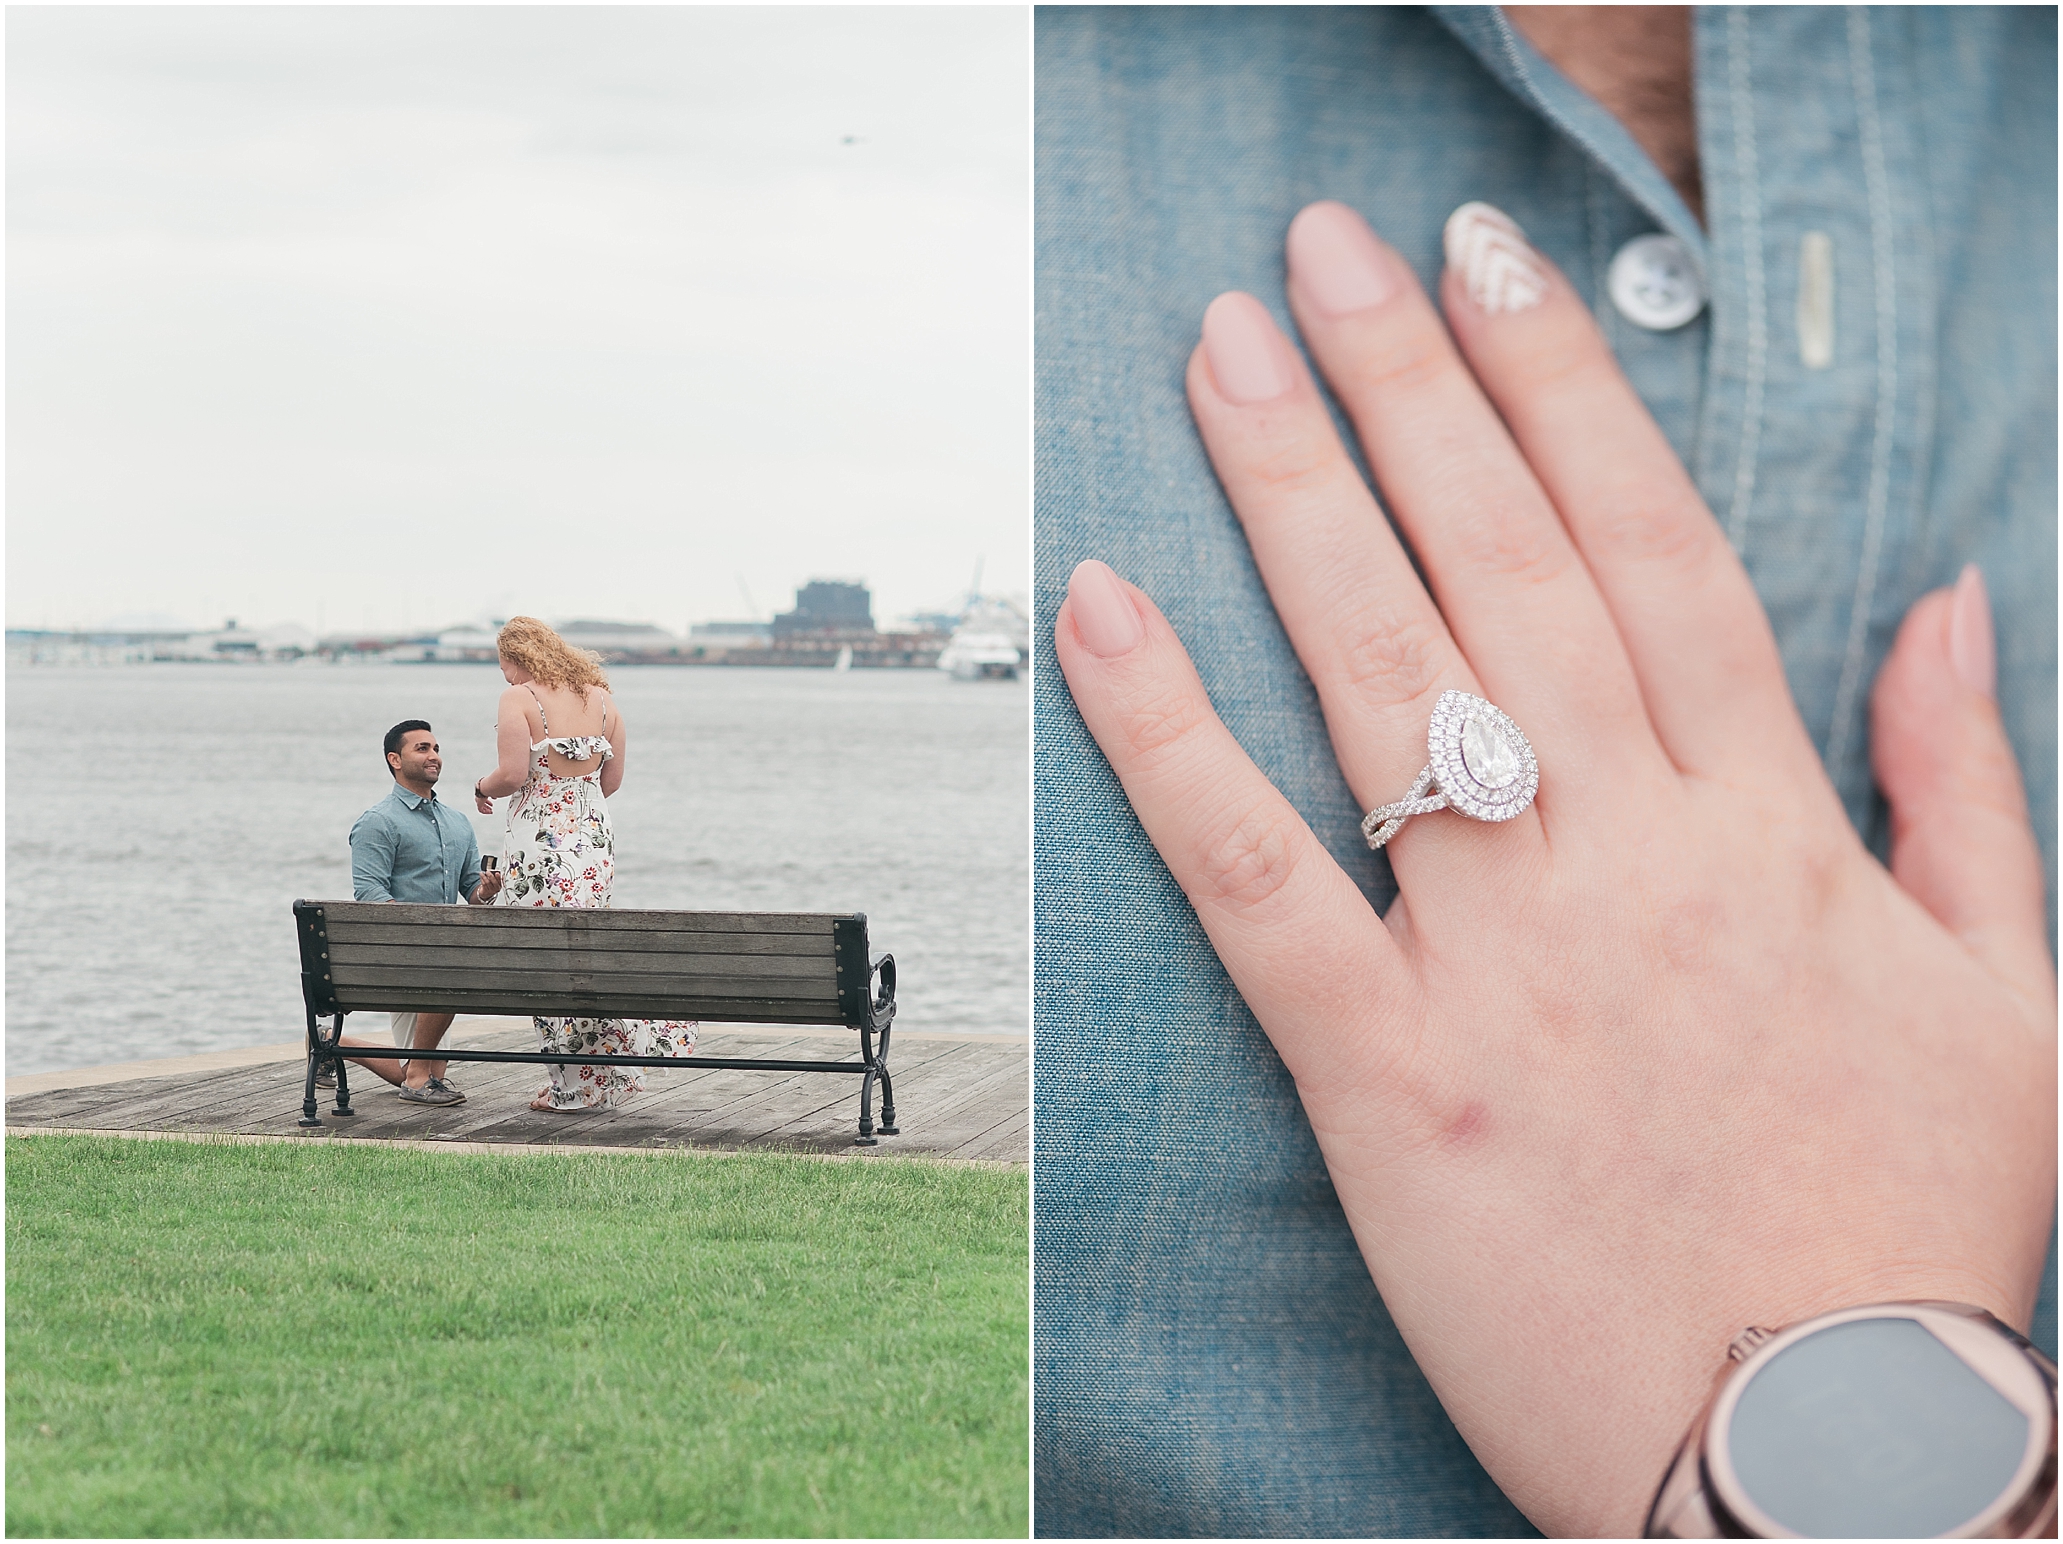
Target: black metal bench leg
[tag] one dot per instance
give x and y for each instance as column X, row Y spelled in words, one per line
column 343, row 1078
column 866, row 1137
column 309, row 1116
column 308, row 1113
column 888, row 1127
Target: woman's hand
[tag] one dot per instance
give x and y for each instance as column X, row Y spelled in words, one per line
column 1669, row 1054
column 481, row 802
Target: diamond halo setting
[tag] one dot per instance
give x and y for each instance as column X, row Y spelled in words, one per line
column 1478, row 763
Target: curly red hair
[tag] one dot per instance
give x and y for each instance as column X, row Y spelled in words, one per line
column 550, row 659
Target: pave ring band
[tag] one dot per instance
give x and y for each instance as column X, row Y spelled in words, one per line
column 1478, row 764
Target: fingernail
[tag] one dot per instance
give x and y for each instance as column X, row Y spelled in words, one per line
column 1104, row 617
column 1337, row 262
column 1972, row 653
column 1245, row 351
column 1498, row 271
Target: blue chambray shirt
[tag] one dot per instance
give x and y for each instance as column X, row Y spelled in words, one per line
column 409, row 848
column 1212, row 1358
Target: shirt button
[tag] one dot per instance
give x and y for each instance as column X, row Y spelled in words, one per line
column 1655, row 283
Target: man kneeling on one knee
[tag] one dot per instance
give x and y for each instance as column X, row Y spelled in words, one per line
column 411, row 846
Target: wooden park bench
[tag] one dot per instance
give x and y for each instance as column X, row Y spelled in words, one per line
column 740, row 967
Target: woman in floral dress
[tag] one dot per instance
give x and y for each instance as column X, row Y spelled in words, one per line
column 560, row 850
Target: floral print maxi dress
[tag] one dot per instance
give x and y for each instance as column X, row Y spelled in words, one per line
column 560, row 851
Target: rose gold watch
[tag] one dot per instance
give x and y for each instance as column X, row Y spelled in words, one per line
column 1897, row 1420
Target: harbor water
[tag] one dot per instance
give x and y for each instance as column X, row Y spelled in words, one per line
column 162, row 818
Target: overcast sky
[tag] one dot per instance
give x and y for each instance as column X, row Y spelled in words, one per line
column 387, row 317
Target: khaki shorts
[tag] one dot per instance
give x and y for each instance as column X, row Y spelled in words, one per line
column 404, row 1032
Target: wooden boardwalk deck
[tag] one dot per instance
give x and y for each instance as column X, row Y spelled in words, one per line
column 957, row 1097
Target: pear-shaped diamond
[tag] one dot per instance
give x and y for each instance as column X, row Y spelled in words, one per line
column 1489, row 759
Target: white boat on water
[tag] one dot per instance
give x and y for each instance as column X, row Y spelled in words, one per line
column 989, row 644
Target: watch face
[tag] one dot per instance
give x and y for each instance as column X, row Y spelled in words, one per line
column 1873, row 1429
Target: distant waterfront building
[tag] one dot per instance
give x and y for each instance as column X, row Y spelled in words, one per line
column 469, row 641
column 389, row 648
column 732, row 635
column 828, row 605
column 40, row 646
column 614, row 640
column 281, row 641
column 285, row 640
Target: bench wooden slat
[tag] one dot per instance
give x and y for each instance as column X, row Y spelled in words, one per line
column 528, row 962
column 342, row 916
column 671, row 984
column 613, row 1005
column 365, row 935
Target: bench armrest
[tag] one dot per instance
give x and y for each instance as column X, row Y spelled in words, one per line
column 883, row 998
column 882, row 969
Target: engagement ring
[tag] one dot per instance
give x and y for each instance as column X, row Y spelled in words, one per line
column 1478, row 765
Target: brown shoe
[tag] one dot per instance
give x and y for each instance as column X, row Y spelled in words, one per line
column 436, row 1091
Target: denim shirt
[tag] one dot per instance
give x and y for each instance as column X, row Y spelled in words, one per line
column 1211, row 1355
column 411, row 848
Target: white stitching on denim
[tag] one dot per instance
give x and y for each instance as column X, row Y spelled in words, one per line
column 1863, row 73
column 1743, row 108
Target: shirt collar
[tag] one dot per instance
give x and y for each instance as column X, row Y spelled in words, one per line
column 1529, row 76
column 414, row 801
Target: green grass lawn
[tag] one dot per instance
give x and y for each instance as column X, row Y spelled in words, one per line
column 328, row 1339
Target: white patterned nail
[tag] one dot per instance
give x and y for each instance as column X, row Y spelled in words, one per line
column 1499, row 272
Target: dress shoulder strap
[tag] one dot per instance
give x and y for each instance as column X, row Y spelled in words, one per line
column 540, row 707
